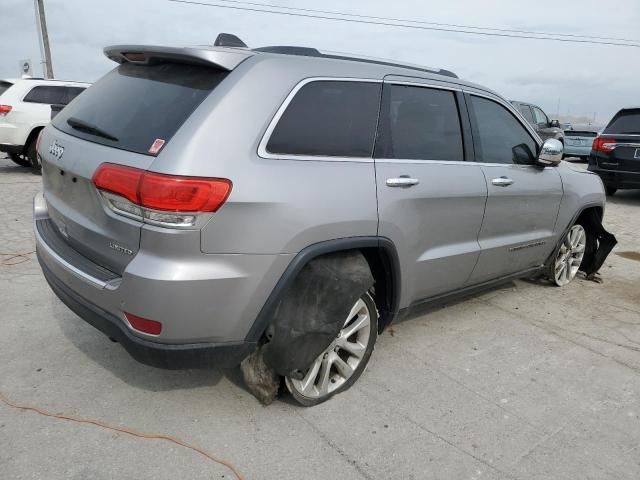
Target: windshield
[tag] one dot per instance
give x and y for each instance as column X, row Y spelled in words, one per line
column 133, row 106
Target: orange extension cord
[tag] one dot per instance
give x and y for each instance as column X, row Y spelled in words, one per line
column 122, row 430
column 21, row 258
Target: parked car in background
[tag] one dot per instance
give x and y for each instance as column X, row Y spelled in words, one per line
column 540, row 121
column 253, row 222
column 615, row 154
column 578, row 140
column 25, row 108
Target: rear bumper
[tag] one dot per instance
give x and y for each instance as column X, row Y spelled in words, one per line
column 576, row 151
column 197, row 355
column 616, row 178
column 207, row 304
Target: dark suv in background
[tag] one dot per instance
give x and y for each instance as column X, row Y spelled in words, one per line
column 615, row 154
column 540, row 121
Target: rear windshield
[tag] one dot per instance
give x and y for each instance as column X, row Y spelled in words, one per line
column 4, row 86
column 625, row 121
column 134, row 106
column 579, row 133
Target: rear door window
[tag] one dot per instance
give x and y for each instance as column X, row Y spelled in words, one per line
column 419, row 123
column 329, row 118
column 134, row 105
column 47, row 94
column 499, row 136
column 625, row 121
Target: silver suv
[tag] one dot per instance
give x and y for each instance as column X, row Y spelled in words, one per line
column 280, row 207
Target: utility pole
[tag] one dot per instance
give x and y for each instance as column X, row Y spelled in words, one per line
column 45, row 50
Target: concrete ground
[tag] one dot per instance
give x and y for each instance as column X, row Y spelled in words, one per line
column 525, row 382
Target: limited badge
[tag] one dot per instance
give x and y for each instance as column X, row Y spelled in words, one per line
column 156, row 146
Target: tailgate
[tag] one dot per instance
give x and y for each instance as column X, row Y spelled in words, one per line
column 75, row 206
column 124, row 119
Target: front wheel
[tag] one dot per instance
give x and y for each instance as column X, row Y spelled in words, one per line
column 610, row 190
column 344, row 360
column 568, row 258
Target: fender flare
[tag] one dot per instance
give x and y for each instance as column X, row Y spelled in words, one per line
column 263, row 319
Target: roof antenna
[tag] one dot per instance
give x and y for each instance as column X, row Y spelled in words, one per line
column 229, row 40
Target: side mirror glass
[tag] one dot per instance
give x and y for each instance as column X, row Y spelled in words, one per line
column 550, row 153
column 555, row 124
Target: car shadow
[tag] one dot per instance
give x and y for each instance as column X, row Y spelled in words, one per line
column 14, row 169
column 111, row 356
column 625, row 197
column 436, row 305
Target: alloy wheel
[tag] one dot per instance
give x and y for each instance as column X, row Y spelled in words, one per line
column 339, row 362
column 569, row 256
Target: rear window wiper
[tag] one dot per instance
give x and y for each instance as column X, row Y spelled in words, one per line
column 89, row 128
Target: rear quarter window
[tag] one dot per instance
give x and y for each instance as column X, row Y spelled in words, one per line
column 137, row 104
column 4, row 86
column 47, row 94
column 329, row 118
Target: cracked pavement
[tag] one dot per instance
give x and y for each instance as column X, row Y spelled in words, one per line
column 527, row 381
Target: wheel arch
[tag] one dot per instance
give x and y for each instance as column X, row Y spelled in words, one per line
column 382, row 257
column 586, row 215
column 32, row 137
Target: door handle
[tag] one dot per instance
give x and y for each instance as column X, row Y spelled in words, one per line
column 502, row 182
column 403, row 181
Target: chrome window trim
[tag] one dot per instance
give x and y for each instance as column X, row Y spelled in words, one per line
column 262, row 146
column 453, row 162
column 420, row 84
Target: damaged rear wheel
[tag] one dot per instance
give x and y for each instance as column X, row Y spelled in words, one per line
column 344, row 360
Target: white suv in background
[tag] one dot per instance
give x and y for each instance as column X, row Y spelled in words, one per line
column 25, row 108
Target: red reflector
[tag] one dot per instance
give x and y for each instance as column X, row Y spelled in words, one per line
column 4, row 109
column 601, row 144
column 144, row 325
column 163, row 192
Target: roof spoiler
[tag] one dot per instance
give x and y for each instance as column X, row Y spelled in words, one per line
column 224, row 59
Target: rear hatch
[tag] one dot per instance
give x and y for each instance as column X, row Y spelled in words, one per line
column 619, row 144
column 125, row 119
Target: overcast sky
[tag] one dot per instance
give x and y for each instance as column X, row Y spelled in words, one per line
column 583, row 78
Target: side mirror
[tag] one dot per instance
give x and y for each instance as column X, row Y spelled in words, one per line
column 550, row 153
column 554, row 124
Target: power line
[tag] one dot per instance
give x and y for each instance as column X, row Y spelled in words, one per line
column 423, row 22
column 401, row 25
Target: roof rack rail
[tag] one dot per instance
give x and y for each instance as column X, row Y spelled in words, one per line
column 313, row 52
column 230, row 40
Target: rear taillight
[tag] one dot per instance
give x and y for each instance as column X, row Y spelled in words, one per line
column 602, row 144
column 144, row 325
column 168, row 200
column 4, row 109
